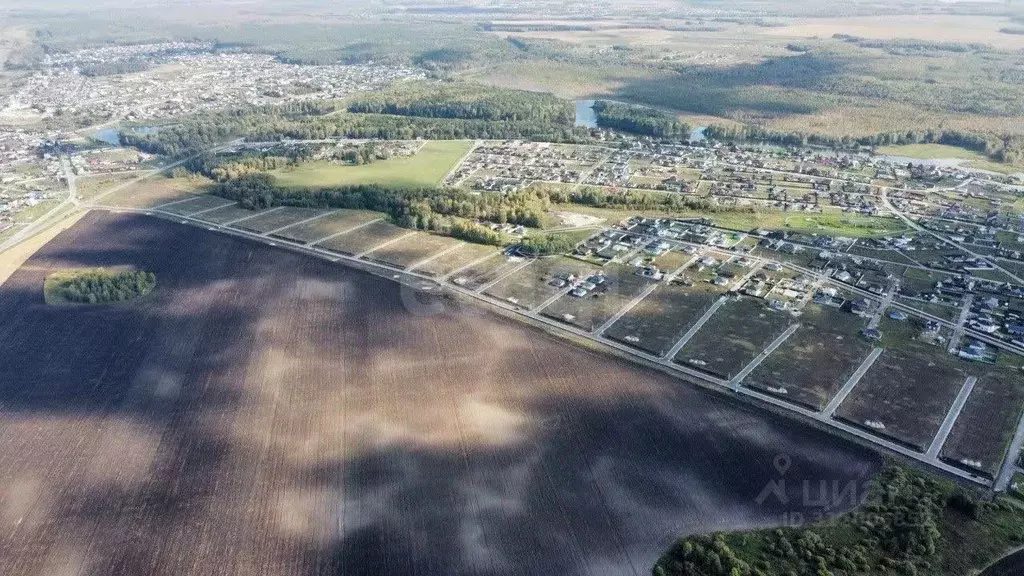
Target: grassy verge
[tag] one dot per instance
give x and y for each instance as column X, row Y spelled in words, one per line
column 424, row 169
column 910, row 523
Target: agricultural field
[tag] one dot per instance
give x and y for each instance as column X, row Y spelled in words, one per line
column 279, row 218
column 460, row 257
column 733, row 336
column 337, row 222
column 424, row 169
column 258, row 409
column 532, row 286
column 412, row 250
column 658, row 321
column 598, row 306
column 908, row 389
column 982, row 433
column 813, row 364
column 364, row 238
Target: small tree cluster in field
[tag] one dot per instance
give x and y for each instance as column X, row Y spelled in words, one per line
column 102, row 286
column 547, row 245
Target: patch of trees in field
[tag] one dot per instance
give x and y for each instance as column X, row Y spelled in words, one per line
column 467, row 102
column 100, row 286
column 911, row 524
column 639, row 120
column 547, row 244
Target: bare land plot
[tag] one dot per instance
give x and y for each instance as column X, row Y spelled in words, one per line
column 228, row 214
column 363, row 239
column 154, row 191
column 985, row 427
column 658, row 321
column 735, row 335
column 598, row 306
column 532, row 286
column 908, row 389
column 274, row 414
column 483, row 273
column 89, row 187
column 462, row 256
column 814, row 363
column 415, row 248
column 197, row 204
column 279, row 218
column 321, row 228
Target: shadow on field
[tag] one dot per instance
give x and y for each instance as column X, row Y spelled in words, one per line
column 266, row 413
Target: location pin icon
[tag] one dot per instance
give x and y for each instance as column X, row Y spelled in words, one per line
column 782, row 463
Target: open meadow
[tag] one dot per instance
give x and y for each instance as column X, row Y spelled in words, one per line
column 262, row 412
column 424, row 169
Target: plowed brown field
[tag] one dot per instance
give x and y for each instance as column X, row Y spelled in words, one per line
column 265, row 413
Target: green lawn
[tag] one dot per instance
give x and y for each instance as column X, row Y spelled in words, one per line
column 426, row 168
column 931, row 151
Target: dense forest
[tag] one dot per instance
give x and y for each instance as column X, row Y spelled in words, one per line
column 521, row 115
column 467, row 102
column 639, row 120
column 222, row 167
column 911, row 524
column 101, row 286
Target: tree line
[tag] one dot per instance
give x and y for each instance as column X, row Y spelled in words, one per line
column 1002, row 148
column 640, row 120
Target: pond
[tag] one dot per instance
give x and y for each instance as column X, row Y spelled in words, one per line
column 585, row 115
column 112, row 136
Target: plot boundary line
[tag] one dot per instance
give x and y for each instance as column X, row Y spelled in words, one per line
column 851, row 382
column 735, row 382
column 951, row 417
column 343, row 232
column 433, row 257
column 689, row 334
column 306, row 221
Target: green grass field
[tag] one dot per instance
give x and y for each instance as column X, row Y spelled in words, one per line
column 941, row 151
column 426, row 168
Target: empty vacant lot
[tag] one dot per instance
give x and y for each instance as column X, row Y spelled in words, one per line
column 814, row 363
column 264, row 413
